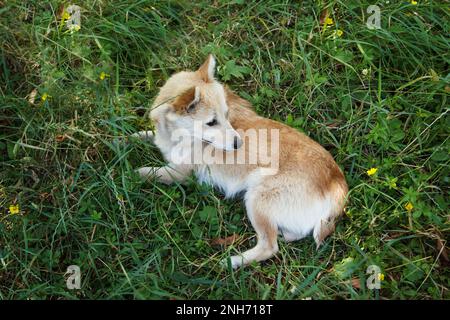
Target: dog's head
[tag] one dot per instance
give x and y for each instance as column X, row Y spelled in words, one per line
column 199, row 107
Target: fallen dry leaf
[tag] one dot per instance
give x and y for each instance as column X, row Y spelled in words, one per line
column 393, row 236
column 333, row 125
column 32, row 96
column 323, row 16
column 356, row 283
column 440, row 246
column 60, row 138
column 44, row 195
column 224, row 241
column 60, row 11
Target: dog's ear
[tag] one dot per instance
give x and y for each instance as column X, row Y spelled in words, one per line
column 187, row 101
column 207, row 69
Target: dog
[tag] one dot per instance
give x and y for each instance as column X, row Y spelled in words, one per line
column 304, row 194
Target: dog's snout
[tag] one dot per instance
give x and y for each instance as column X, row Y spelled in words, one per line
column 237, row 143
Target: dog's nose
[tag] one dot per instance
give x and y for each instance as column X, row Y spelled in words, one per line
column 237, row 143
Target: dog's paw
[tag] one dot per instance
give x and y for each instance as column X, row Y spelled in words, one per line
column 143, row 135
column 236, row 262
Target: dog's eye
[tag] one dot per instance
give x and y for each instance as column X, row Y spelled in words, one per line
column 213, row 122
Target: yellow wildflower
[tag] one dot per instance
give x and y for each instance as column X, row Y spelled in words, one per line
column 409, row 207
column 381, row 276
column 337, row 33
column 413, row 2
column 45, row 96
column 372, row 171
column 328, row 21
column 14, row 209
column 65, row 15
column 103, row 75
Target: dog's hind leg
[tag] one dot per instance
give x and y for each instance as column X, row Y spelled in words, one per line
column 165, row 174
column 266, row 231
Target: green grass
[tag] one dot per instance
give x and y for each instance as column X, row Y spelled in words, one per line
column 374, row 98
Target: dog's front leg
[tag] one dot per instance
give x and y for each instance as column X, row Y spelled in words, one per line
column 166, row 174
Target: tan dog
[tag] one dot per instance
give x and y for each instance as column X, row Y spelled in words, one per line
column 303, row 193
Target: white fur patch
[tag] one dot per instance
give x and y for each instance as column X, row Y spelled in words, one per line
column 211, row 67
